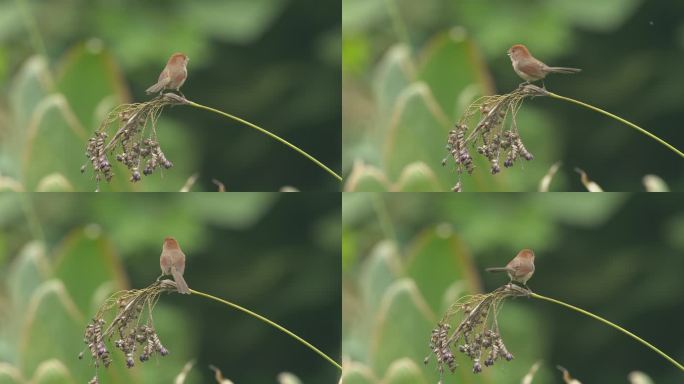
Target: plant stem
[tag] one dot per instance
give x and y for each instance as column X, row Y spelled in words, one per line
column 271, row 323
column 32, row 26
column 398, row 24
column 272, row 135
column 599, row 110
column 619, row 328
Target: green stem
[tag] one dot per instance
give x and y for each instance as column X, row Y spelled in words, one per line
column 32, row 27
column 272, row 135
column 619, row 328
column 399, row 27
column 269, row 322
column 623, row 121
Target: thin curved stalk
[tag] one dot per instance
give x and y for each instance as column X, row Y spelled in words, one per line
column 272, row 135
column 269, row 322
column 619, row 328
column 618, row 118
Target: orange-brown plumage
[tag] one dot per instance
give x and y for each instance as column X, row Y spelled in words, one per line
column 174, row 74
column 172, row 262
column 531, row 69
column 520, row 268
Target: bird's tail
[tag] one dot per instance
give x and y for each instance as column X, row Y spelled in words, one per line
column 180, row 282
column 155, row 88
column 563, row 70
column 498, row 269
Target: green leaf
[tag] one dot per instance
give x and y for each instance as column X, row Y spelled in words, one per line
column 54, row 182
column 89, row 63
column 30, row 86
column 450, row 64
column 418, row 132
column 26, row 273
column 85, row 260
column 437, row 258
column 403, row 326
column 53, row 327
column 394, row 73
column 52, row 371
column 366, row 178
column 357, row 373
column 379, row 271
column 10, row 374
column 54, row 143
column 418, row 177
column 404, row 371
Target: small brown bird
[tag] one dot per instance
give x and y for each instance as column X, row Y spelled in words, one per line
column 531, row 69
column 520, row 269
column 174, row 74
column 172, row 262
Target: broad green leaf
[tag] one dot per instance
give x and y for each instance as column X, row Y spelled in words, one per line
column 54, row 143
column 449, row 64
column 404, row 371
column 26, row 273
column 417, row 177
column 89, row 63
column 31, row 84
column 52, row 371
column 54, row 182
column 357, row 373
column 9, row 374
column 402, row 328
column 53, row 327
column 394, row 73
column 418, row 132
column 437, row 258
column 379, row 271
column 366, row 178
column 85, row 260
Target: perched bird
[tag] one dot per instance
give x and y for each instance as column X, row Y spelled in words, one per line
column 520, row 269
column 531, row 69
column 173, row 76
column 172, row 262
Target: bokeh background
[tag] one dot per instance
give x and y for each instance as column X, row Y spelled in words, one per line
column 406, row 257
column 409, row 69
column 64, row 64
column 276, row 254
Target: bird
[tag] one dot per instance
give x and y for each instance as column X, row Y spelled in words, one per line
column 531, row 69
column 520, row 269
column 172, row 262
column 173, row 76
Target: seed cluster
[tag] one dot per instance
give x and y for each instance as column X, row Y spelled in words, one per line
column 136, row 137
column 477, row 334
column 93, row 337
column 491, row 137
column 441, row 349
column 133, row 337
column 95, row 152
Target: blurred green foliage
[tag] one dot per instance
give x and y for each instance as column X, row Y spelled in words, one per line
column 275, row 254
column 64, row 64
column 406, row 257
column 410, row 68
